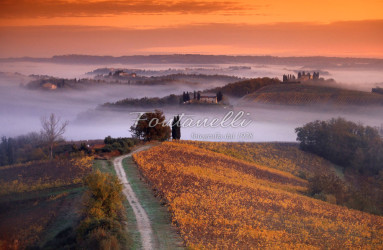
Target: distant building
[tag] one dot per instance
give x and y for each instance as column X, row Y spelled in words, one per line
column 208, row 99
column 49, row 86
column 302, row 77
column 377, row 90
column 125, row 74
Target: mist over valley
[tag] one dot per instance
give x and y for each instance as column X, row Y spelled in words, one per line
column 22, row 107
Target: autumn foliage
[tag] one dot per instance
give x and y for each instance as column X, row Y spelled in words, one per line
column 221, row 202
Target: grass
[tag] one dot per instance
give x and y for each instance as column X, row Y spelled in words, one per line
column 68, row 217
column 132, row 227
column 42, row 175
column 39, row 200
column 164, row 234
column 37, row 217
column 104, row 166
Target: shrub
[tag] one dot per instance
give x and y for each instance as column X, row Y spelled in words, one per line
column 102, row 226
column 321, row 186
column 104, row 196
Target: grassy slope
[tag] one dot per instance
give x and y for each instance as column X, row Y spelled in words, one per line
column 38, row 201
column 36, row 217
column 219, row 201
column 104, row 166
column 301, row 94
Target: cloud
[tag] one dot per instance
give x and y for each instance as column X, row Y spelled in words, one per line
column 62, row 8
column 356, row 38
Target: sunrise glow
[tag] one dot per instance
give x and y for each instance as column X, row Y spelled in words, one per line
column 284, row 28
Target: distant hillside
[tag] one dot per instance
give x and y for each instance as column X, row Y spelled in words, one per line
column 153, row 102
column 242, row 88
column 134, row 78
column 236, row 89
column 45, row 82
column 311, row 62
column 300, row 94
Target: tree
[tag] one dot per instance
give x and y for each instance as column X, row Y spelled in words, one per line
column 176, row 128
column 52, row 130
column 219, row 96
column 4, row 151
column 284, row 78
column 345, row 143
column 151, row 126
column 11, row 151
column 198, row 96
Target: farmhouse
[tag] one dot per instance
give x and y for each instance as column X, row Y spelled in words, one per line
column 49, row 86
column 377, row 90
column 208, row 99
column 302, row 77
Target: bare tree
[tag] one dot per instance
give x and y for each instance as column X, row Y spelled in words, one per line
column 52, row 131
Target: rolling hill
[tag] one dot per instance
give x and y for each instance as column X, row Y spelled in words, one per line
column 283, row 156
column 38, row 200
column 302, row 94
column 218, row 201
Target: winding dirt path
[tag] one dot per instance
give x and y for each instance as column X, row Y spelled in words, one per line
column 143, row 222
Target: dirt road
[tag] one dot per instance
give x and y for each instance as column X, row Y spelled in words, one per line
column 143, row 222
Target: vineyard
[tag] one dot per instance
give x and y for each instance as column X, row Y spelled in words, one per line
column 297, row 94
column 218, row 201
column 286, row 157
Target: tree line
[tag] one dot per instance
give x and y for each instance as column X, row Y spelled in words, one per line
column 345, row 143
column 33, row 146
column 356, row 148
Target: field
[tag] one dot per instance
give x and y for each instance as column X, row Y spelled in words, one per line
column 42, row 174
column 218, row 201
column 39, row 200
column 299, row 94
column 286, row 157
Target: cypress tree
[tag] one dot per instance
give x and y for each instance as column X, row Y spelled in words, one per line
column 219, row 96
column 176, row 128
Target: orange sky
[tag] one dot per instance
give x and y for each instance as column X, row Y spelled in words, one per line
column 273, row 27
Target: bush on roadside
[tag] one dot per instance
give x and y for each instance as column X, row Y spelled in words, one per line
column 103, row 221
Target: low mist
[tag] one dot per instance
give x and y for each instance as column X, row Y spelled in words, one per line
column 21, row 108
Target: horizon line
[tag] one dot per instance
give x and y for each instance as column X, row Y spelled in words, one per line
column 189, row 54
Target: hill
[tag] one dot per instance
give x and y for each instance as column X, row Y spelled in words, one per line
column 38, row 200
column 310, row 62
column 218, row 201
column 236, row 89
column 286, row 157
column 302, row 94
column 242, row 88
